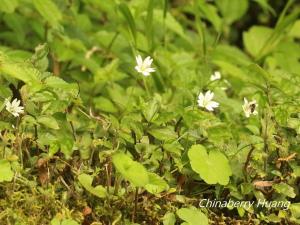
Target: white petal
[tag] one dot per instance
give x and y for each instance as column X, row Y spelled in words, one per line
column 145, row 73
column 247, row 114
column 150, row 70
column 209, row 107
column 6, row 101
column 212, row 104
column 7, row 105
column 137, row 68
column 201, row 101
column 217, row 75
column 201, row 96
column 16, row 102
column 148, row 61
column 209, row 95
column 139, row 60
column 20, row 110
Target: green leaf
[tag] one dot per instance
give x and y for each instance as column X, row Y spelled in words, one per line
column 20, row 70
column 192, row 216
column 163, row 134
column 258, row 74
column 66, row 144
column 283, row 23
column 8, row 6
column 48, row 121
column 213, row 167
column 255, row 39
column 170, row 22
column 57, row 221
column 56, row 82
column 105, row 105
column 6, row 174
column 5, row 92
column 295, row 30
column 266, row 6
column 295, row 210
column 151, row 108
column 39, row 58
column 232, row 10
column 86, row 181
column 169, row 219
column 156, row 184
column 231, row 54
column 49, row 11
column 131, row 170
column 69, row 222
column 210, row 12
column 234, row 70
column 285, row 189
column 5, row 125
column 129, row 18
column 149, row 24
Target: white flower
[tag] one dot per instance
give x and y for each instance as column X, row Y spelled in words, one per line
column 144, row 66
column 14, row 107
column 205, row 101
column 215, row 76
column 249, row 107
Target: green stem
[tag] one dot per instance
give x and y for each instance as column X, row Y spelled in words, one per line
column 146, row 86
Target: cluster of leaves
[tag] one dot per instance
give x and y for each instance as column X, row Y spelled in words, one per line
column 99, row 143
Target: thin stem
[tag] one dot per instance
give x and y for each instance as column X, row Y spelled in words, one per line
column 266, row 118
column 247, row 162
column 146, row 86
column 200, row 30
column 266, row 139
column 117, row 185
column 135, row 204
column 19, row 141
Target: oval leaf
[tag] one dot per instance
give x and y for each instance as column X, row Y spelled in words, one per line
column 6, row 174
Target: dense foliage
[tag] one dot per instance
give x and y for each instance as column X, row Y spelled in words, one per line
column 93, row 140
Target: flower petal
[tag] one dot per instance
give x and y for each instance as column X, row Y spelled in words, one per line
column 148, row 61
column 139, row 60
column 209, row 95
column 212, row 104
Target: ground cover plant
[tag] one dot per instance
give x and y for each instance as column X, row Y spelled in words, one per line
column 149, row 112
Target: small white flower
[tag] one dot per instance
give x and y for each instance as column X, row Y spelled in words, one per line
column 205, row 101
column 215, row 76
column 14, row 107
column 144, row 66
column 249, row 107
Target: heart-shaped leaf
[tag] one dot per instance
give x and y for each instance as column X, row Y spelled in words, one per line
column 156, row 184
column 213, row 167
column 192, row 216
column 131, row 170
